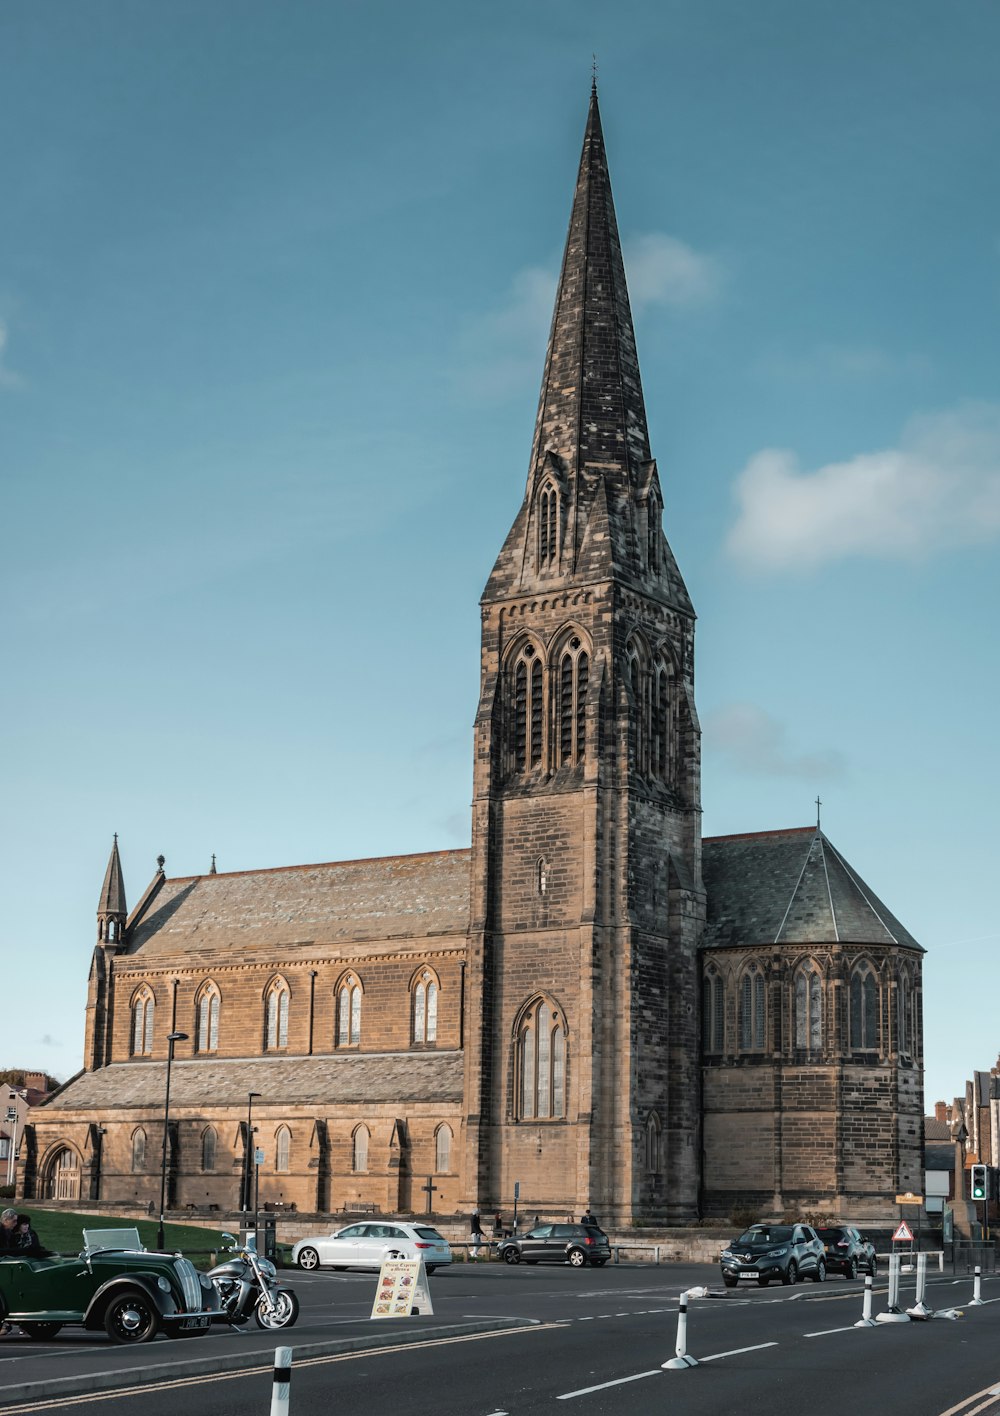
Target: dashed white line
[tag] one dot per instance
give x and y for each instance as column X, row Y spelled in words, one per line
column 736, row 1351
column 586, row 1391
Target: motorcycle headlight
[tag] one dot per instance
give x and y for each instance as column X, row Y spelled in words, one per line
column 267, row 1267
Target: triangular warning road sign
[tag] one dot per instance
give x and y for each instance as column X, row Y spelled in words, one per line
column 903, row 1232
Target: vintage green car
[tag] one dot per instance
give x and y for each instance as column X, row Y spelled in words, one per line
column 114, row 1284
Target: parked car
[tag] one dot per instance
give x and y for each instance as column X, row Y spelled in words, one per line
column 366, row 1245
column 766, row 1251
column 848, row 1251
column 114, row 1284
column 576, row 1244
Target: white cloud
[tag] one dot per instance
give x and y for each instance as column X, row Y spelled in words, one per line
column 754, row 742
column 841, row 361
column 939, row 489
column 505, row 348
column 665, row 271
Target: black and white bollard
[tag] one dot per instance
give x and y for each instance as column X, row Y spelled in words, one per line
column 866, row 1319
column 920, row 1308
column 977, row 1289
column 895, row 1313
column 681, row 1359
column 282, row 1381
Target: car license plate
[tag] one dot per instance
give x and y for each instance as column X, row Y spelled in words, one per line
column 193, row 1323
column 749, row 1273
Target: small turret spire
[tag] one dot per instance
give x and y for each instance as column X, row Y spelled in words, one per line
column 112, row 911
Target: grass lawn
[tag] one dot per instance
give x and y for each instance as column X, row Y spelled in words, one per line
column 62, row 1233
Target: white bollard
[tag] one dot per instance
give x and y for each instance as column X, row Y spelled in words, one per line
column 681, row 1359
column 282, row 1381
column 920, row 1308
column 866, row 1319
column 977, row 1289
column 895, row 1313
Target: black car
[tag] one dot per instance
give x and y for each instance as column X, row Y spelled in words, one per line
column 766, row 1251
column 576, row 1244
column 848, row 1251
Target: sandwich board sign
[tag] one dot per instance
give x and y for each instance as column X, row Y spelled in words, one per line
column 903, row 1234
column 402, row 1290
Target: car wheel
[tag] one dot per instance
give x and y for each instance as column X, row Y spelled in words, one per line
column 39, row 1331
column 852, row 1269
column 308, row 1259
column 873, row 1266
column 791, row 1273
column 820, row 1275
column 511, row 1256
column 131, row 1317
column 577, row 1258
column 283, row 1313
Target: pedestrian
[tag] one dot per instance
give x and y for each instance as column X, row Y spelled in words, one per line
column 588, row 1218
column 475, row 1234
column 498, row 1226
column 8, row 1232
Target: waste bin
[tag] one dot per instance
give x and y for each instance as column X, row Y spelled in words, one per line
column 261, row 1235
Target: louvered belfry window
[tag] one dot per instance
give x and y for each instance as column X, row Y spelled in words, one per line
column 527, row 719
column 548, row 527
column 574, row 674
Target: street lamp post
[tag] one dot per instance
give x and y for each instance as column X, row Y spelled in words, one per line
column 171, row 1039
column 248, row 1167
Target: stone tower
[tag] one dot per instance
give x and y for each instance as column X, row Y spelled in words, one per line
column 112, row 916
column 582, row 1048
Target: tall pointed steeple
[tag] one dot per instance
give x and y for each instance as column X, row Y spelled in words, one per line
column 593, row 504
column 112, row 911
column 591, row 408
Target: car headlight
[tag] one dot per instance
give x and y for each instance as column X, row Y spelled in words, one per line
column 726, row 1254
column 776, row 1253
column 164, row 1284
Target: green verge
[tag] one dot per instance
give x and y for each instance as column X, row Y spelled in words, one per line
column 62, row 1233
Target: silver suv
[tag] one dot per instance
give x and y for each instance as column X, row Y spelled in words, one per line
column 766, row 1251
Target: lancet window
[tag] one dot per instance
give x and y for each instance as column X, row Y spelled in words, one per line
column 425, row 1008
column 349, row 1012
column 209, row 1141
column 540, row 1057
column 525, row 709
column 143, row 1015
column 573, row 676
column 442, row 1149
column 808, row 1010
column 653, row 1137
column 548, row 527
column 208, row 1018
column 276, row 1013
column 864, row 1008
column 359, row 1148
column 752, row 1010
column 713, row 1011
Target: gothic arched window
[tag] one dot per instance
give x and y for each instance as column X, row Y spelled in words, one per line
column 653, row 1144
column 349, row 1012
column 653, row 534
column 572, row 677
column 713, row 1011
column 540, row 1063
column 808, row 1010
column 639, row 683
column 209, row 1140
column 276, row 1014
column 662, row 747
column 752, row 1010
column 138, row 1149
column 442, row 1149
column 904, row 1020
column 359, row 1148
column 548, row 527
column 864, row 1008
column 425, row 1008
column 282, row 1147
column 143, row 1014
column 208, row 1018
column 525, row 709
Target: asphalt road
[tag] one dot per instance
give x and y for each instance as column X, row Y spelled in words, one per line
column 597, row 1346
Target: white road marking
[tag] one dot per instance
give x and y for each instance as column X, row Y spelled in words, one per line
column 736, row 1351
column 826, row 1332
column 586, row 1391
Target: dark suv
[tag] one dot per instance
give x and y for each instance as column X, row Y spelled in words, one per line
column 576, row 1244
column 848, row 1251
column 766, row 1251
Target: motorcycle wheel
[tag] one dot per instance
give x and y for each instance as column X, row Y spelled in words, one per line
column 283, row 1313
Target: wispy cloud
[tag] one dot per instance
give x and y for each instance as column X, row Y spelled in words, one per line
column 754, row 742
column 505, row 347
column 665, row 271
column 8, row 378
column 938, row 490
column 844, row 362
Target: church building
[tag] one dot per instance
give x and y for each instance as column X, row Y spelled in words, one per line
column 591, row 1002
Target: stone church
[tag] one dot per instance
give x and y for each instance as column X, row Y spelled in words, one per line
column 591, row 1002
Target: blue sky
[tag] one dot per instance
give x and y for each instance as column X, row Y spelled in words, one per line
column 275, row 283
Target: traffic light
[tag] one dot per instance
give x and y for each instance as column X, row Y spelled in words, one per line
column 979, row 1182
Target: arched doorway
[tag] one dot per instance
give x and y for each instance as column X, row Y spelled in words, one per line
column 63, row 1176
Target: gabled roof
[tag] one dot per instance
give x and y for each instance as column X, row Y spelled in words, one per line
column 791, row 887
column 216, row 917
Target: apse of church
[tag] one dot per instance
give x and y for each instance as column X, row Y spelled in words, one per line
column 592, row 1002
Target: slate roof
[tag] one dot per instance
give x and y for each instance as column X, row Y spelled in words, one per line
column 790, row 887
column 292, row 1081
column 394, row 897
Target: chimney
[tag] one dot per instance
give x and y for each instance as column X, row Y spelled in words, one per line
column 35, row 1081
column 942, row 1111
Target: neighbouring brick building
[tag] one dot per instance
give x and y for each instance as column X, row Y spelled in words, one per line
column 592, row 1000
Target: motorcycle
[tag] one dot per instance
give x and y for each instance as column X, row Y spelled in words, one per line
column 247, row 1283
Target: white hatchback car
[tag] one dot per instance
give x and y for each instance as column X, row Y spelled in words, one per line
column 366, row 1245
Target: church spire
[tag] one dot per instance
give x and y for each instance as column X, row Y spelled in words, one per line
column 591, row 409
column 112, row 911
